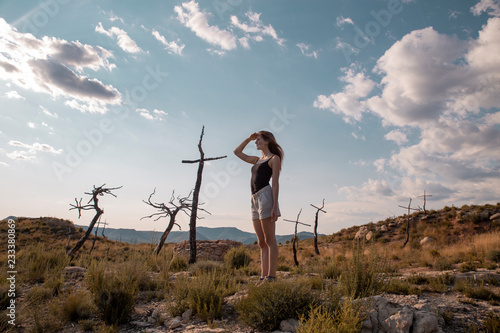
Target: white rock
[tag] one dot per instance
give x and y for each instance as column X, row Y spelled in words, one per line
column 383, row 228
column 176, row 322
column 399, row 322
column 426, row 240
column 186, row 316
column 369, row 235
column 361, row 233
column 425, row 322
column 289, row 325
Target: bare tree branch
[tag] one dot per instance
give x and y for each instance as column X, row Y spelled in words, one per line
column 96, row 192
column 171, row 211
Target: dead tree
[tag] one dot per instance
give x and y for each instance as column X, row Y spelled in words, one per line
column 171, row 211
column 408, row 221
column 95, row 235
column 92, row 204
column 425, row 196
column 295, row 239
column 316, row 226
column 194, row 210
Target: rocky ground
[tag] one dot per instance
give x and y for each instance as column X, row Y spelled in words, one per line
column 425, row 313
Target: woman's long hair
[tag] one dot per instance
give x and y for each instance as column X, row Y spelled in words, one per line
column 273, row 145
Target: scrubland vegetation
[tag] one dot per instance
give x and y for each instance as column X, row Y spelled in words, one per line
column 325, row 292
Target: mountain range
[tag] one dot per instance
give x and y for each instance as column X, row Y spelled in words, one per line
column 202, row 233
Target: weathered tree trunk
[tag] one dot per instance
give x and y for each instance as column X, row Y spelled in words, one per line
column 196, row 194
column 316, row 250
column 82, row 240
column 165, row 234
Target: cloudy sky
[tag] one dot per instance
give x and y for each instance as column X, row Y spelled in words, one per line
column 374, row 102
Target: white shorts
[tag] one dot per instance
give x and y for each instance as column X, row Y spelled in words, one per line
column 262, row 204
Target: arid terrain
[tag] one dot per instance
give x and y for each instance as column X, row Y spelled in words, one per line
column 445, row 279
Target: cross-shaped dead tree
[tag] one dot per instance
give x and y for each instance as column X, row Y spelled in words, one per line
column 295, row 239
column 316, row 226
column 194, row 209
column 171, row 211
column 92, row 204
column 425, row 196
column 408, row 221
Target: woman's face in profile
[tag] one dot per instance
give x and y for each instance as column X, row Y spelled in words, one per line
column 260, row 142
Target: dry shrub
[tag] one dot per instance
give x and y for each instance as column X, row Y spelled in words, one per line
column 237, row 257
column 115, row 290
column 267, row 305
column 346, row 318
column 363, row 276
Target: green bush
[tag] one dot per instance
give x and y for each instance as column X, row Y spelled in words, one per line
column 36, row 263
column 467, row 267
column 114, row 291
column 443, row 264
column 401, row 287
column 493, row 255
column 476, row 291
column 178, row 264
column 492, row 323
column 206, row 296
column 347, row 318
column 267, row 305
column 76, row 305
column 362, row 276
column 206, row 266
column 332, row 271
column 237, row 257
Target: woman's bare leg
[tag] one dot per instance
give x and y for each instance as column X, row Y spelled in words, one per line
column 264, row 249
column 269, row 231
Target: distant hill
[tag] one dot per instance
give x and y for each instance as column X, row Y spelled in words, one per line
column 9, row 218
column 202, row 233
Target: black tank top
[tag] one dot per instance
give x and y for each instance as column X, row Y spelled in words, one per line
column 261, row 174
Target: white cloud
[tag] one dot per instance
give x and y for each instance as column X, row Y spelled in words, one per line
column 304, row 48
column 124, row 41
column 155, row 115
column 14, row 95
column 91, row 106
column 397, row 136
column 348, row 102
column 48, row 113
column 30, row 151
column 3, row 164
column 48, row 65
column 190, row 15
column 341, row 21
column 31, row 125
column 255, row 29
column 171, row 47
column 448, row 90
column 492, row 7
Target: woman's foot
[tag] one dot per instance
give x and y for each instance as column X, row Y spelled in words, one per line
column 270, row 278
column 261, row 280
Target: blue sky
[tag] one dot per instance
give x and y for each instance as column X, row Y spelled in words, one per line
column 374, row 102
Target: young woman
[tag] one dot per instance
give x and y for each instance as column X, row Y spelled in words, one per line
column 265, row 209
